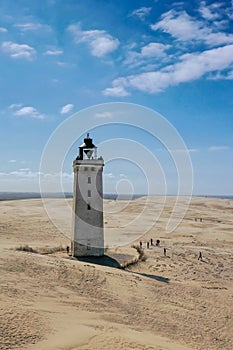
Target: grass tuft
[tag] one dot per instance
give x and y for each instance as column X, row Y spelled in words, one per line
column 51, row 250
column 141, row 257
column 26, row 248
column 141, row 254
column 41, row 250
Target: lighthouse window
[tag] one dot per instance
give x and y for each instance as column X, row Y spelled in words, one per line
column 88, row 207
column 89, row 179
column 92, row 168
column 86, row 168
column 89, row 193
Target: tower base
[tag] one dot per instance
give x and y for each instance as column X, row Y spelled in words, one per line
column 81, row 250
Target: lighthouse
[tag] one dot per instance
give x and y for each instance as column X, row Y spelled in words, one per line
column 88, row 230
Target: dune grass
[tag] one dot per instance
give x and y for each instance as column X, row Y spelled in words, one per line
column 41, row 250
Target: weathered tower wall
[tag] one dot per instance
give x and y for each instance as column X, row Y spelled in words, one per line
column 88, row 230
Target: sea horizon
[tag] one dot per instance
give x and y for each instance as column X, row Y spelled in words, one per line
column 8, row 195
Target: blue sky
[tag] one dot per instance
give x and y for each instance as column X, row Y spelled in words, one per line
column 175, row 57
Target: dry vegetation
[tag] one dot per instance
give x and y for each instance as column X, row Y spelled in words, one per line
column 41, row 250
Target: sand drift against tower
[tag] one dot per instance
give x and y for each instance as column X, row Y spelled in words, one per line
column 88, row 230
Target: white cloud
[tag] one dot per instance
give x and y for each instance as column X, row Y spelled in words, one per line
column 15, row 105
column 209, row 12
column 31, row 26
column 27, row 173
column 18, row 50
column 67, row 176
column 3, row 30
column 25, row 169
column 153, row 50
column 220, row 24
column 109, row 175
column 190, row 67
column 142, row 12
column 189, row 150
column 28, row 111
column 53, row 52
column 63, row 64
column 24, row 174
column 103, row 115
column 229, row 75
column 178, row 24
column 12, row 161
column 99, row 42
column 117, row 91
column 222, row 76
column 67, row 108
column 220, row 38
column 185, row 28
column 218, row 148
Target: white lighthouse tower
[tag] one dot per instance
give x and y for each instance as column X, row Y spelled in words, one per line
column 88, row 231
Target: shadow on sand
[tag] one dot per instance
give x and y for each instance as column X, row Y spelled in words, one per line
column 101, row 260
column 153, row 277
column 109, row 261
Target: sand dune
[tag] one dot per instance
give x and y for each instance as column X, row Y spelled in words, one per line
column 49, row 301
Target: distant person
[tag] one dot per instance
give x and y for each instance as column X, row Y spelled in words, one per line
column 200, row 219
column 200, row 256
column 68, row 249
column 157, row 243
column 164, row 251
column 140, row 244
column 148, row 245
column 151, row 242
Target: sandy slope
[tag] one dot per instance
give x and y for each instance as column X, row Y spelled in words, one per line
column 166, row 303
